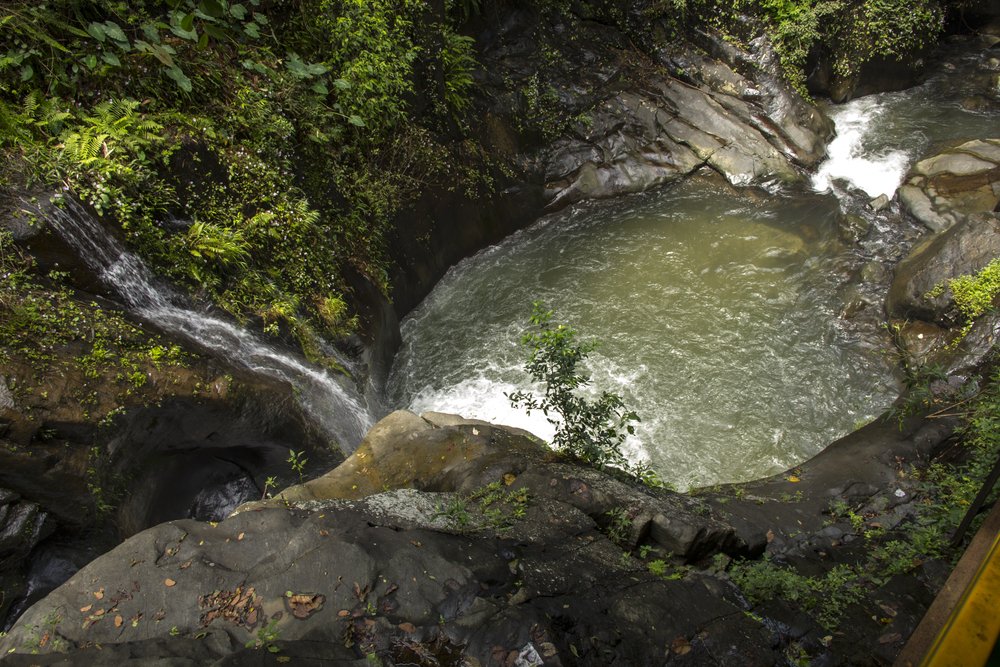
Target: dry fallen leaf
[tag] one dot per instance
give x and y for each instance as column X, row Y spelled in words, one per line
column 86, row 609
column 793, row 479
column 240, row 537
column 304, row 605
column 169, row 582
column 99, row 594
column 343, row 613
column 680, row 646
column 118, row 621
column 408, row 628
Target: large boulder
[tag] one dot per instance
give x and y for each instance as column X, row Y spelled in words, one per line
column 965, row 248
column 941, row 189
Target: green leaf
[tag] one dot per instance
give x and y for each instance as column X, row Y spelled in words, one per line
column 90, row 61
column 238, row 11
column 355, row 120
column 203, row 41
column 320, row 87
column 111, row 59
column 96, row 30
column 341, row 84
column 212, row 8
column 260, row 18
column 251, row 30
column 152, row 32
column 189, row 35
column 215, row 31
column 27, row 72
column 114, row 32
column 187, row 23
column 183, row 82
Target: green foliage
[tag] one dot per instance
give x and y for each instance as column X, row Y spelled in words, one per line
column 852, row 32
column 499, row 507
column 593, row 430
column 370, row 46
column 458, row 63
column 619, row 526
column 298, row 463
column 251, row 113
column 827, row 596
column 974, row 294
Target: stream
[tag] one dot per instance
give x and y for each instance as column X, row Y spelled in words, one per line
column 719, row 314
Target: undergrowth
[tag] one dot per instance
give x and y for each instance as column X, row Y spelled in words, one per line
column 944, row 494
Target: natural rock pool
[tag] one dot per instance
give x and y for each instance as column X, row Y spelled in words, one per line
column 723, row 315
column 716, row 313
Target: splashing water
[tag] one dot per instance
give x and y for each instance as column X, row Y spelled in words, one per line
column 850, row 157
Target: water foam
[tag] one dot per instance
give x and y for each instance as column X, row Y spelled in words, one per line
column 850, row 156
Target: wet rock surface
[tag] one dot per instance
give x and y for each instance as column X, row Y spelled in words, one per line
column 533, row 566
column 942, row 189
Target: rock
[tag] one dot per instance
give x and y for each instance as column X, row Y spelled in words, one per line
column 874, row 272
column 880, row 203
column 23, row 525
column 919, row 340
column 963, row 249
column 445, row 453
column 853, row 228
column 941, row 189
column 6, row 397
column 377, row 575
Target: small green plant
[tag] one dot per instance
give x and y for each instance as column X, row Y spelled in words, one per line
column 266, row 638
column 619, row 526
column 974, row 295
column 456, row 511
column 298, row 463
column 593, row 430
column 827, row 596
column 269, row 483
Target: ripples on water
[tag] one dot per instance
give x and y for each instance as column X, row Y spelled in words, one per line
column 716, row 315
column 717, row 311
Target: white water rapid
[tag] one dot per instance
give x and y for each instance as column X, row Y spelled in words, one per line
column 339, row 411
column 851, row 157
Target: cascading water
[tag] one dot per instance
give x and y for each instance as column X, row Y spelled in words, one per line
column 338, row 410
column 880, row 136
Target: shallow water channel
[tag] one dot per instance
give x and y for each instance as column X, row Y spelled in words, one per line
column 716, row 313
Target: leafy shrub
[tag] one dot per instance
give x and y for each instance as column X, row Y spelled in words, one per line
column 593, row 430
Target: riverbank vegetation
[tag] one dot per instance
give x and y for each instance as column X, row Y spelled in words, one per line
column 252, row 151
column 257, row 152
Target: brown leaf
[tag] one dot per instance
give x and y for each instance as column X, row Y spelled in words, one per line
column 159, row 615
column 770, row 536
column 239, row 538
column 99, row 594
column 119, row 620
column 304, row 605
column 169, row 583
column 408, row 628
column 391, row 589
column 44, row 640
column 99, row 612
column 324, row 533
column 680, row 646
column 185, row 565
column 86, row 609
column 344, row 613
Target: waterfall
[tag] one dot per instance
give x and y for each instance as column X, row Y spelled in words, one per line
column 340, row 411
